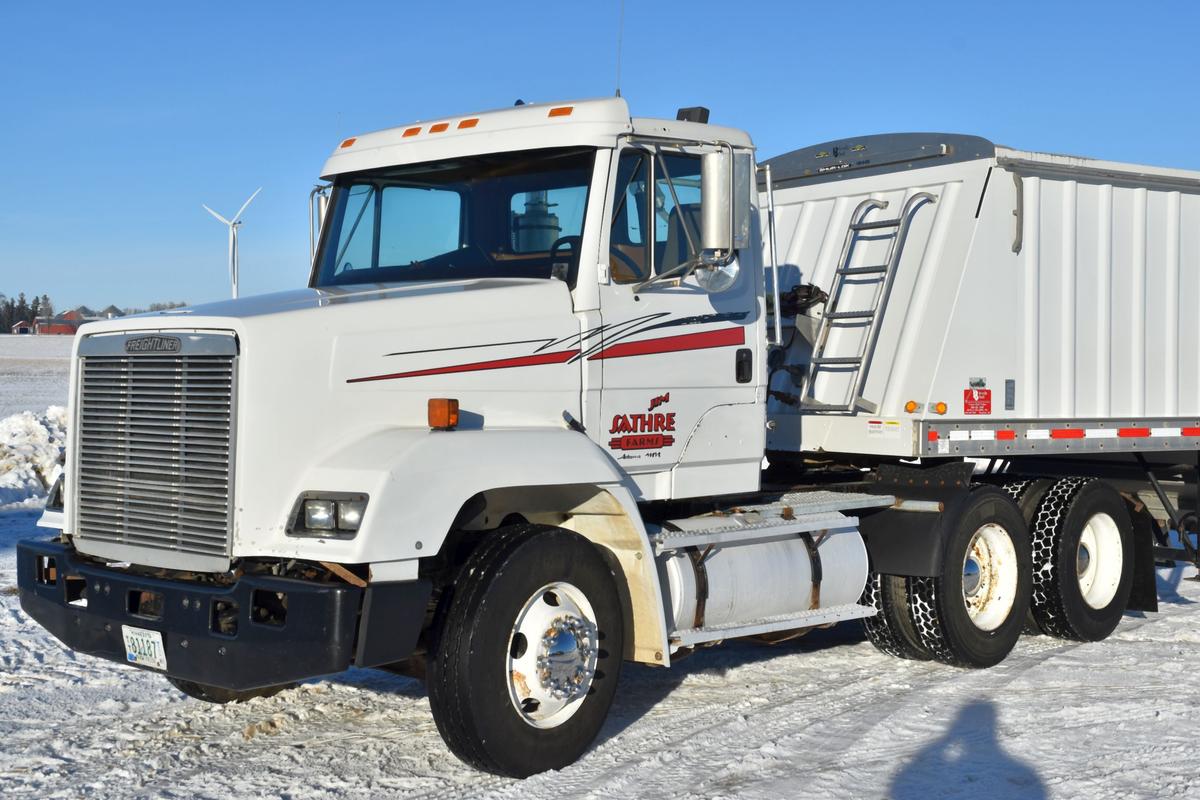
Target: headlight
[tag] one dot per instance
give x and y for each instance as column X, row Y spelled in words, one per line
column 328, row 514
column 319, row 514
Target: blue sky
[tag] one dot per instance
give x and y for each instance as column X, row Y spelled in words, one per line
column 118, row 119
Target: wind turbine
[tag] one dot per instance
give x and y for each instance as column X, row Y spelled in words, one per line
column 233, row 229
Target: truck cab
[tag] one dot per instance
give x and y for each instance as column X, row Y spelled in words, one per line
column 547, row 315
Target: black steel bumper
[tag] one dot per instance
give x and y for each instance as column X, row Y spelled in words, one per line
column 217, row 635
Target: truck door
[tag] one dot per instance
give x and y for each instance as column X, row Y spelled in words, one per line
column 680, row 366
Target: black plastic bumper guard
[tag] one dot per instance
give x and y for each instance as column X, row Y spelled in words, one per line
column 327, row 627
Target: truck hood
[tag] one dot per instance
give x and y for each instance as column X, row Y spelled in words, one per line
column 319, row 370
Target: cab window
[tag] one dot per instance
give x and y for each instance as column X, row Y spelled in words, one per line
column 646, row 201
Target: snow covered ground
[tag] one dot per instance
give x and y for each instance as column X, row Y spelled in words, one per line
column 33, row 372
column 822, row 717
column 825, row 716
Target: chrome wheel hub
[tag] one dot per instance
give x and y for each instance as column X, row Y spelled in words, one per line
column 567, row 654
column 553, row 650
column 1083, row 559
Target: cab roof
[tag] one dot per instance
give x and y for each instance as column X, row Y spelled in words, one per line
column 595, row 123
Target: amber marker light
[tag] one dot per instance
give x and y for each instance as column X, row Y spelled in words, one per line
column 350, row 141
column 439, row 127
column 468, row 123
column 411, row 131
column 561, row 111
column 940, row 408
column 443, row 414
column 911, row 406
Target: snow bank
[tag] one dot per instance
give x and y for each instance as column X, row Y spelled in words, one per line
column 30, row 448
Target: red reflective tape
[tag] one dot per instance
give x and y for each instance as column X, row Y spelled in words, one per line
column 1133, row 433
column 477, row 366
column 933, row 436
column 1006, row 435
column 1189, row 432
column 1067, row 433
column 675, row 344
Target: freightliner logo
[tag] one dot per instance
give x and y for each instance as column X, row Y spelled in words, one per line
column 153, row 344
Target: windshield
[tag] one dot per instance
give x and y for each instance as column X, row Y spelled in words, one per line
column 497, row 215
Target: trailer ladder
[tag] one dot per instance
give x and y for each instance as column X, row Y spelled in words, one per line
column 882, row 275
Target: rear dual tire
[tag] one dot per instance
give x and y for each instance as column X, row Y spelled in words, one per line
column 1083, row 560
column 972, row 614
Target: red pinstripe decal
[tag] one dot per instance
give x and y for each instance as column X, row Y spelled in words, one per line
column 1133, row 433
column 1067, row 433
column 477, row 366
column 1006, row 435
column 674, row 344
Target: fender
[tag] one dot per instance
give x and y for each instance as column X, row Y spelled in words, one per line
column 418, row 480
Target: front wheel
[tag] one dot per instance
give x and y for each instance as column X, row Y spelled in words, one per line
column 526, row 651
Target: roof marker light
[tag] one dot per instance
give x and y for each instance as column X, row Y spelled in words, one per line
column 439, row 127
column 350, row 141
column 561, row 111
column 411, row 131
column 940, row 408
column 911, row 406
column 468, row 123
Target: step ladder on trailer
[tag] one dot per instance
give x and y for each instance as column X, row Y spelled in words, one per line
column 855, row 364
column 790, row 515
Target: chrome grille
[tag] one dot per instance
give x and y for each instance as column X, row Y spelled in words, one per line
column 155, row 448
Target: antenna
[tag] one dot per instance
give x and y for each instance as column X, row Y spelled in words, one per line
column 233, row 224
column 620, row 42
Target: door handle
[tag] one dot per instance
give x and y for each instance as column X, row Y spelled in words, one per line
column 743, row 365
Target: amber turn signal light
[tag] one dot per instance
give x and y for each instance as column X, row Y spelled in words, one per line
column 443, row 414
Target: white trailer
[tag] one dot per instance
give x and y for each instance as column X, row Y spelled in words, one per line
column 513, row 431
column 1045, row 300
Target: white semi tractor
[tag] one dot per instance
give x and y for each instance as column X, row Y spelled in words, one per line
column 513, row 432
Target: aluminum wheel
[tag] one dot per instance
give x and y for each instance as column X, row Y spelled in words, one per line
column 989, row 578
column 552, row 655
column 1099, row 560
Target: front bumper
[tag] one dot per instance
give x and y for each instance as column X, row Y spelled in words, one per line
column 215, row 634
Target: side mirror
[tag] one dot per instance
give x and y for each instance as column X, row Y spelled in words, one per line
column 318, row 204
column 725, row 218
column 716, row 192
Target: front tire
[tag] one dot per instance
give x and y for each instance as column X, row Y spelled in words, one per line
column 526, row 651
column 973, row 613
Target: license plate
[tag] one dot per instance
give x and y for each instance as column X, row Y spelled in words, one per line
column 144, row 647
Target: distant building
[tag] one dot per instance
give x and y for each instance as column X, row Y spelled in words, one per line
column 68, row 322
column 22, row 327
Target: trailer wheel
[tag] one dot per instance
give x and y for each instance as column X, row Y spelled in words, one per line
column 525, row 652
column 891, row 630
column 973, row 613
column 215, row 694
column 1083, row 560
column 1027, row 493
